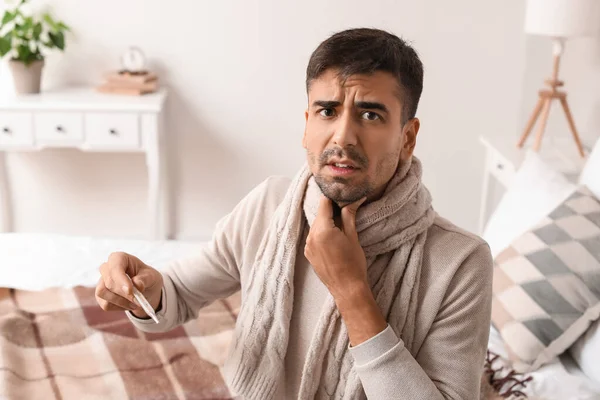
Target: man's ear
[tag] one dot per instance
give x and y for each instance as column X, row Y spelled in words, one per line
column 305, row 122
column 410, row 132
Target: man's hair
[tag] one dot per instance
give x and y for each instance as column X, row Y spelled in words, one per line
column 365, row 51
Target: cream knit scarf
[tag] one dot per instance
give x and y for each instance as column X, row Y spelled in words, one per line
column 392, row 233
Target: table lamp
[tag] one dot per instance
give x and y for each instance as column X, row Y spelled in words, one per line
column 559, row 20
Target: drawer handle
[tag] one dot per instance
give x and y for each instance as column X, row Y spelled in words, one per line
column 6, row 130
column 500, row 167
column 113, row 132
column 60, row 129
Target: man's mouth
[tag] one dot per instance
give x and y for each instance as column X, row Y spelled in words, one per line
column 342, row 168
column 341, row 165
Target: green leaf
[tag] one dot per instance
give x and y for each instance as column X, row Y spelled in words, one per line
column 37, row 31
column 28, row 24
column 58, row 39
column 24, row 54
column 52, row 40
column 5, row 44
column 50, row 21
column 64, row 26
column 61, row 41
column 8, row 16
column 20, row 33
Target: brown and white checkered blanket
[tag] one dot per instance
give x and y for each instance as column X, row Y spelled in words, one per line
column 58, row 344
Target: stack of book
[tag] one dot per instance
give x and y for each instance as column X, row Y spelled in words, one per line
column 129, row 83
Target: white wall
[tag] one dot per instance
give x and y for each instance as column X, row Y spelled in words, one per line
column 236, row 74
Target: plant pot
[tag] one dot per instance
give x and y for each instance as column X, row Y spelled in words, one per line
column 27, row 78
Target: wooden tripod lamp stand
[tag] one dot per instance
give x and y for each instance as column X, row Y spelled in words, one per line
column 560, row 20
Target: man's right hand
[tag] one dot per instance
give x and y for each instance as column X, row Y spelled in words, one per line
column 114, row 291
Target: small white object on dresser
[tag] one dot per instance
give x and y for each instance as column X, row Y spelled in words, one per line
column 80, row 117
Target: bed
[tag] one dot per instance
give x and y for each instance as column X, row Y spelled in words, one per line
column 55, row 342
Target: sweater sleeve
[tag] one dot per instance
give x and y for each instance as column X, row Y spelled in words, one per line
column 450, row 362
column 214, row 273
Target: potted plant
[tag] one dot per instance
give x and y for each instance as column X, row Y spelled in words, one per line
column 25, row 38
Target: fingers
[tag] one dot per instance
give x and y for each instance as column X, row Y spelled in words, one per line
column 119, row 265
column 145, row 279
column 349, row 215
column 114, row 291
column 109, row 284
column 325, row 211
column 114, row 274
column 110, row 301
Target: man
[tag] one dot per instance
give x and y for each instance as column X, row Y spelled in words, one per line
column 352, row 286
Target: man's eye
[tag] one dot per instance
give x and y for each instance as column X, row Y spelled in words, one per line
column 327, row 112
column 370, row 115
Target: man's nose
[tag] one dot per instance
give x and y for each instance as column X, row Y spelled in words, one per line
column 345, row 131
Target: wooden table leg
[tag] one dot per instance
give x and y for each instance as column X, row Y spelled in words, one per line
column 5, row 203
column 542, row 127
column 484, row 193
column 534, row 116
column 154, row 166
column 565, row 105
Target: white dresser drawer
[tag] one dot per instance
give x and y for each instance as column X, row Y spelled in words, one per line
column 16, row 129
column 112, row 130
column 58, row 128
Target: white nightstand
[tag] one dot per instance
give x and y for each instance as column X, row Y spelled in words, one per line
column 82, row 118
column 503, row 158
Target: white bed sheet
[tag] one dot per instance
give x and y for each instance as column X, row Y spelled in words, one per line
column 42, row 261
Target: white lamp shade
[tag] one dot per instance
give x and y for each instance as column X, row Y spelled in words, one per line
column 563, row 18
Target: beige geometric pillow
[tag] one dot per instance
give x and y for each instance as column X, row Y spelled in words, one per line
column 547, row 283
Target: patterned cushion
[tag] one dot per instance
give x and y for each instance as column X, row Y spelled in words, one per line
column 547, row 283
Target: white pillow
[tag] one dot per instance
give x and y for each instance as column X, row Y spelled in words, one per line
column 587, row 348
column 536, row 190
column 586, row 351
column 590, row 176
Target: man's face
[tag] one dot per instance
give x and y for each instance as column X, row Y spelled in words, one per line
column 354, row 136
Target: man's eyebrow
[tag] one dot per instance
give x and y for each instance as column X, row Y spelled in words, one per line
column 326, row 103
column 370, row 105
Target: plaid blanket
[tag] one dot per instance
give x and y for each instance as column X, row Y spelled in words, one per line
column 59, row 344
